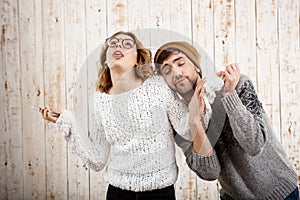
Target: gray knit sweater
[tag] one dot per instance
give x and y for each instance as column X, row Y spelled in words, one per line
column 248, row 160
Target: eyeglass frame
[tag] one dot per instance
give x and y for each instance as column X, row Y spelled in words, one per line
column 109, row 39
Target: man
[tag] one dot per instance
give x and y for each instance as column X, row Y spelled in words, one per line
column 247, row 158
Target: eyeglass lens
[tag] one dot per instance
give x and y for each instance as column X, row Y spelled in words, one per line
column 126, row 43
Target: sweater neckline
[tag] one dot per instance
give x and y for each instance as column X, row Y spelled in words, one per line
column 125, row 93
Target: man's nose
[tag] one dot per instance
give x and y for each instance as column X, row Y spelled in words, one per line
column 177, row 72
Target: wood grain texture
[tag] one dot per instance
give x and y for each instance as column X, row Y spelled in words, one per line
column 75, row 53
column 289, row 58
column 224, row 33
column 11, row 145
column 47, row 45
column 117, row 16
column 31, row 50
column 245, row 37
column 267, row 60
column 55, row 95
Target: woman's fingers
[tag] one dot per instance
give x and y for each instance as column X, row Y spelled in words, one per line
column 45, row 113
column 54, row 113
column 49, row 114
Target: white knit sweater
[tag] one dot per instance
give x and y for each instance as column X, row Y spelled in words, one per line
column 133, row 136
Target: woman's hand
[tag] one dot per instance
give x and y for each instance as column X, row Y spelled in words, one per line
column 49, row 114
column 231, row 77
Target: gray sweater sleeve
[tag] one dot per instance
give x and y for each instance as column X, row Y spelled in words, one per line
column 245, row 113
column 206, row 167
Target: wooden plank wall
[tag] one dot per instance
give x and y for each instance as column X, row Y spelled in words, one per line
column 44, row 45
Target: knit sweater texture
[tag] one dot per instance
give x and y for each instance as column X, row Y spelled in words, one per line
column 248, row 159
column 132, row 136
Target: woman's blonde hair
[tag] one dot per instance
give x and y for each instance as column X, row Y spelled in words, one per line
column 144, row 69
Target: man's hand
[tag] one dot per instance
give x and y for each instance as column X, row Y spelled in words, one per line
column 231, row 77
column 201, row 144
column 197, row 107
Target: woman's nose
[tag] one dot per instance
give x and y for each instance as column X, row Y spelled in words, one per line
column 119, row 44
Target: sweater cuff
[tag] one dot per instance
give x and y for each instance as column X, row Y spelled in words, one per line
column 231, row 101
column 198, row 160
column 64, row 123
column 206, row 160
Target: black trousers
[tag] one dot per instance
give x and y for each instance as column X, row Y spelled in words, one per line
column 114, row 193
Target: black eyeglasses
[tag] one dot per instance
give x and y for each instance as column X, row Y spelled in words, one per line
column 126, row 43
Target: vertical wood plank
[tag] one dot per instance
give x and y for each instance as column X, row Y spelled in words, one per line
column 75, row 49
column 31, row 50
column 138, row 23
column 289, row 58
column 160, row 14
column 267, row 60
column 138, row 14
column 181, row 20
column 160, row 21
column 96, row 34
column 203, row 37
column 224, row 28
column 11, row 168
column 55, row 96
column 117, row 16
column 245, row 41
column 203, row 26
column 43, row 46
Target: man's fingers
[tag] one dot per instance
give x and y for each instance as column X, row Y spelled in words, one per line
column 230, row 69
column 202, row 91
column 226, row 75
column 220, row 73
column 237, row 67
column 199, row 85
column 233, row 69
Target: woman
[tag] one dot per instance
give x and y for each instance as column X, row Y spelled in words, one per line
column 135, row 113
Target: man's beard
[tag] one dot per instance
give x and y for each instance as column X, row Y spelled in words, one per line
column 186, row 89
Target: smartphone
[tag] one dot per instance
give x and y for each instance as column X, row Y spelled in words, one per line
column 53, row 114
